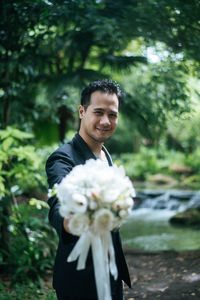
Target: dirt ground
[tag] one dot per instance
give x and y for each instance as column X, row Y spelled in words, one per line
column 164, row 275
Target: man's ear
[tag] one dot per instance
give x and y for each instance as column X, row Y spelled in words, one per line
column 81, row 111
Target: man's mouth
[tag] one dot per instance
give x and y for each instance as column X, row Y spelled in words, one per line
column 103, row 129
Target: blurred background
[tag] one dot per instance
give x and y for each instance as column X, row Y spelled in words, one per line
column 49, row 51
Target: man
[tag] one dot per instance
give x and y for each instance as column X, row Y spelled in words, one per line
column 98, row 113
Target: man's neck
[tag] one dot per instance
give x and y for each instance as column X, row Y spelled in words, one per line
column 94, row 146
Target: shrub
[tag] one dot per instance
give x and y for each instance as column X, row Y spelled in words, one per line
column 33, row 242
column 27, row 240
column 140, row 165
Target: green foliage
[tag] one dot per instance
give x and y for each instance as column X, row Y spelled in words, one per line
column 26, row 247
column 174, row 22
column 33, row 242
column 56, row 45
column 153, row 95
column 193, row 160
column 140, row 165
column 53, row 47
column 183, row 133
column 149, row 161
column 130, row 141
column 20, row 165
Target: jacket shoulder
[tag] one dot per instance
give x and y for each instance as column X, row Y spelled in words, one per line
column 60, row 163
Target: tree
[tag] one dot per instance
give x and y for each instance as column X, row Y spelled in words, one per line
column 53, row 46
column 58, row 46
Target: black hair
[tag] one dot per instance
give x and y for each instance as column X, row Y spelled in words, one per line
column 105, row 86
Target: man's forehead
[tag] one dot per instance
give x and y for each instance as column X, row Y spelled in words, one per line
column 99, row 98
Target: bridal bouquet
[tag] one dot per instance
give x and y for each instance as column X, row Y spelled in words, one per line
column 96, row 199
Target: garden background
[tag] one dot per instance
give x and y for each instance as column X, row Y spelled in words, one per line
column 50, row 49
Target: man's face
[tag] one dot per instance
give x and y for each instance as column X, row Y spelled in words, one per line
column 99, row 120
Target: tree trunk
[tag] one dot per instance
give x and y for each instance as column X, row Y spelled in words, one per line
column 4, row 232
column 6, row 112
column 64, row 116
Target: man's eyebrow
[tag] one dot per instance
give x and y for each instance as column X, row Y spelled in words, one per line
column 102, row 109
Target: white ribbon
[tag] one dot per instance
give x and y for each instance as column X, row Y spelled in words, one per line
column 103, row 259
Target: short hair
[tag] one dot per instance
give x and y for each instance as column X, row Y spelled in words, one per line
column 105, row 86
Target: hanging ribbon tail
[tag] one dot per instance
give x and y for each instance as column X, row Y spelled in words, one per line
column 101, row 269
column 80, row 250
column 113, row 267
column 84, row 253
column 103, row 255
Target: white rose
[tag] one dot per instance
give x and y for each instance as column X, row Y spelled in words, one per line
column 78, row 223
column 123, row 204
column 123, row 214
column 62, row 190
column 92, row 204
column 78, row 203
column 73, row 203
column 64, row 211
column 103, row 220
column 110, row 195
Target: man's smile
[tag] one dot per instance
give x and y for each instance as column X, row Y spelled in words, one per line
column 103, row 130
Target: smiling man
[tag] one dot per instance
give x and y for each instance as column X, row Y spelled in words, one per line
column 98, row 113
column 99, row 118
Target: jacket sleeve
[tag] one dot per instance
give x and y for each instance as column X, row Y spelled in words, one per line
column 58, row 166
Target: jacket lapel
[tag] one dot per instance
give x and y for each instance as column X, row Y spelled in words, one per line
column 82, row 148
column 85, row 152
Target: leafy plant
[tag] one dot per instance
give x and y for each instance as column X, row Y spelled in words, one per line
column 21, row 171
column 32, row 241
column 20, row 165
column 140, row 165
column 149, row 161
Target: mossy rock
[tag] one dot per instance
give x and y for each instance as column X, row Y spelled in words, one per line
column 162, row 179
column 188, row 217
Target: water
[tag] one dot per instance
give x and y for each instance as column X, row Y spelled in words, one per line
column 149, row 229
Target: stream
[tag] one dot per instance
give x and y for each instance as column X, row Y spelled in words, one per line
column 148, row 228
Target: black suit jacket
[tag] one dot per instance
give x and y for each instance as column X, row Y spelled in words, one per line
column 66, row 278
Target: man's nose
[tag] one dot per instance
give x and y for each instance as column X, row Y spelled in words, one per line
column 104, row 120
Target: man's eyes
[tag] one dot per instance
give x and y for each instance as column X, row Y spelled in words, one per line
column 113, row 116
column 100, row 113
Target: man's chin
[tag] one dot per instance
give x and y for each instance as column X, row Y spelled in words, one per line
column 101, row 139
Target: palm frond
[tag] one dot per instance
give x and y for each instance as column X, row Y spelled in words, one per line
column 120, row 63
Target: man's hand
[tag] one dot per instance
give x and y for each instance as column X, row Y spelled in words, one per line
column 65, row 225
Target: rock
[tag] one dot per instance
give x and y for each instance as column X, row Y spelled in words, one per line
column 170, row 199
column 180, row 169
column 163, row 201
column 162, row 179
column 182, row 195
column 188, row 217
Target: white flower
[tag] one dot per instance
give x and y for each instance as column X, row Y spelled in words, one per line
column 78, row 224
column 92, row 204
column 123, row 204
column 96, row 199
column 75, row 203
column 78, row 203
column 64, row 211
column 63, row 191
column 49, row 193
column 103, row 220
column 124, row 213
column 93, row 187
